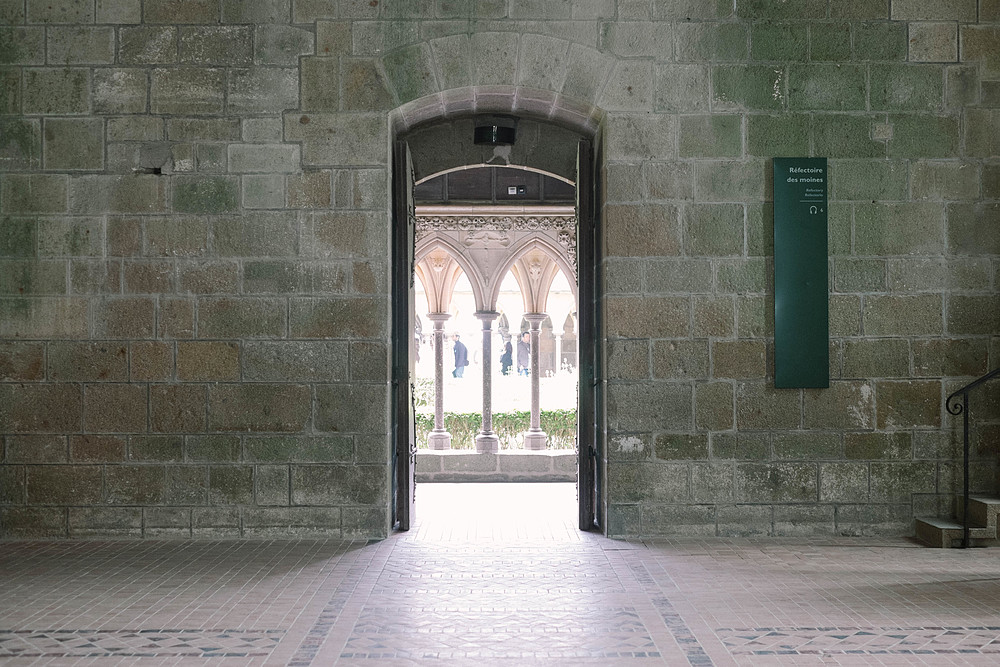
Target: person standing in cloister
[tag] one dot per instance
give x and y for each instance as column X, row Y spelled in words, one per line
column 461, row 356
column 524, row 354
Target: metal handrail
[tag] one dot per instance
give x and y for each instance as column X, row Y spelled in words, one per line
column 955, row 408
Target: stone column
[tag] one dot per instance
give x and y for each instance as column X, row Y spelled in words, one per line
column 439, row 438
column 534, row 437
column 487, row 441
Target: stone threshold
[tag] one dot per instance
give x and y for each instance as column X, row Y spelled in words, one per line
column 508, row 465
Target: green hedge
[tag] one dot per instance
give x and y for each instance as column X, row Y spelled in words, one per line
column 559, row 425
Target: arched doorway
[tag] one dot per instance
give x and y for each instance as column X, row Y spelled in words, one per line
column 448, row 147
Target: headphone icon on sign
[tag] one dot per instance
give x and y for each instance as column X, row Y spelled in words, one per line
column 813, row 210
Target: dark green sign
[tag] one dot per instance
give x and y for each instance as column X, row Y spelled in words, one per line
column 801, row 292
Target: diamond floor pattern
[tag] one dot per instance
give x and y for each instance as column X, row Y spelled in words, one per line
column 498, row 575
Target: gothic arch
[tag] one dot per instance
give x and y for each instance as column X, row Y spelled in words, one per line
column 522, row 249
column 429, row 244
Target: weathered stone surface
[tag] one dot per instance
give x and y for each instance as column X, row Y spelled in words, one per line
column 261, row 90
column 259, row 407
column 759, row 406
column 876, row 358
column 351, row 408
column 950, row 357
column 973, row 314
column 648, row 317
column 88, row 362
column 850, row 404
column 908, row 404
column 337, row 485
column 970, row 229
column 649, row 406
column 642, row 230
column 64, row 484
column 776, row 482
column 37, row 449
column 181, row 11
column 933, row 42
column 741, row 359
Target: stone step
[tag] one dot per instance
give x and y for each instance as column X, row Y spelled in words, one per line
column 983, row 510
column 944, row 533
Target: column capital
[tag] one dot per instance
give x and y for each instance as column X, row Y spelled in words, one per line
column 535, row 319
column 439, row 319
column 487, row 316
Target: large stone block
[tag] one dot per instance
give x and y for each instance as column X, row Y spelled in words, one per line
column 296, row 361
column 343, row 234
column 897, row 482
column 339, row 139
column 37, row 449
column 282, row 45
column 680, row 359
column 648, row 317
column 351, row 408
column 188, row 90
column 930, row 10
column 807, row 445
column 732, row 180
column 845, row 136
column 844, row 482
column 64, row 484
column 256, row 235
column 973, row 314
column 908, row 404
column 115, row 408
column 713, row 135
column 759, row 406
column 924, row 136
column 124, row 317
column 903, row 315
column 131, row 193
column 299, row 449
column 714, row 316
column 33, row 193
column 181, row 11
column 701, row 42
column 322, row 522
column 713, row 229
column 177, row 408
column 856, row 179
column 943, row 180
column 780, row 41
column 681, row 447
column 80, row 45
column 43, row 317
column 76, row 237
column 259, row 407
column 213, row 448
column 48, row 408
column 338, row 485
column 231, row 485
column 630, row 448
column 681, row 88
column 73, row 144
column 32, row 277
column 677, row 276
column 876, row 358
column 642, row 230
column 87, row 362
column 216, row 45
column 744, row 520
column 778, row 135
column 878, row 446
column 337, row 317
column 830, row 41
column 933, row 42
column 906, row 87
column 826, row 87
column 147, row 45
column 151, row 361
column 246, row 317
column 641, row 136
column 60, row 11
column 714, row 406
column 33, row 523
column 843, row 404
column 649, row 407
column 972, row 229
column 135, row 484
column 119, row 90
column 777, row 482
column 261, row 90
column 949, row 357
column 739, row 359
column 205, row 194
column 22, row 361
column 859, row 275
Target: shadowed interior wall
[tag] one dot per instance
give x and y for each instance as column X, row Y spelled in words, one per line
column 194, row 226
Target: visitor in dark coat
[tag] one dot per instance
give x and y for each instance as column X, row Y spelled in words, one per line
column 461, row 357
column 524, row 354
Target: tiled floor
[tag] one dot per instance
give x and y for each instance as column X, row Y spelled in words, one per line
column 497, row 574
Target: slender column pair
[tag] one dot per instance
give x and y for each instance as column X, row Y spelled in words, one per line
column 534, row 437
column 487, row 441
column 439, row 438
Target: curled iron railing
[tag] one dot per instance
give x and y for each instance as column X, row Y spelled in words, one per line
column 956, row 407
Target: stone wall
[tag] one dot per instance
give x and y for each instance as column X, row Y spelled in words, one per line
column 194, row 205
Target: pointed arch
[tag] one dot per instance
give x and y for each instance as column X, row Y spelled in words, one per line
column 537, row 244
column 429, row 244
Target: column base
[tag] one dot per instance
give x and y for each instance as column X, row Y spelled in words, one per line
column 535, row 439
column 439, row 440
column 487, row 443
